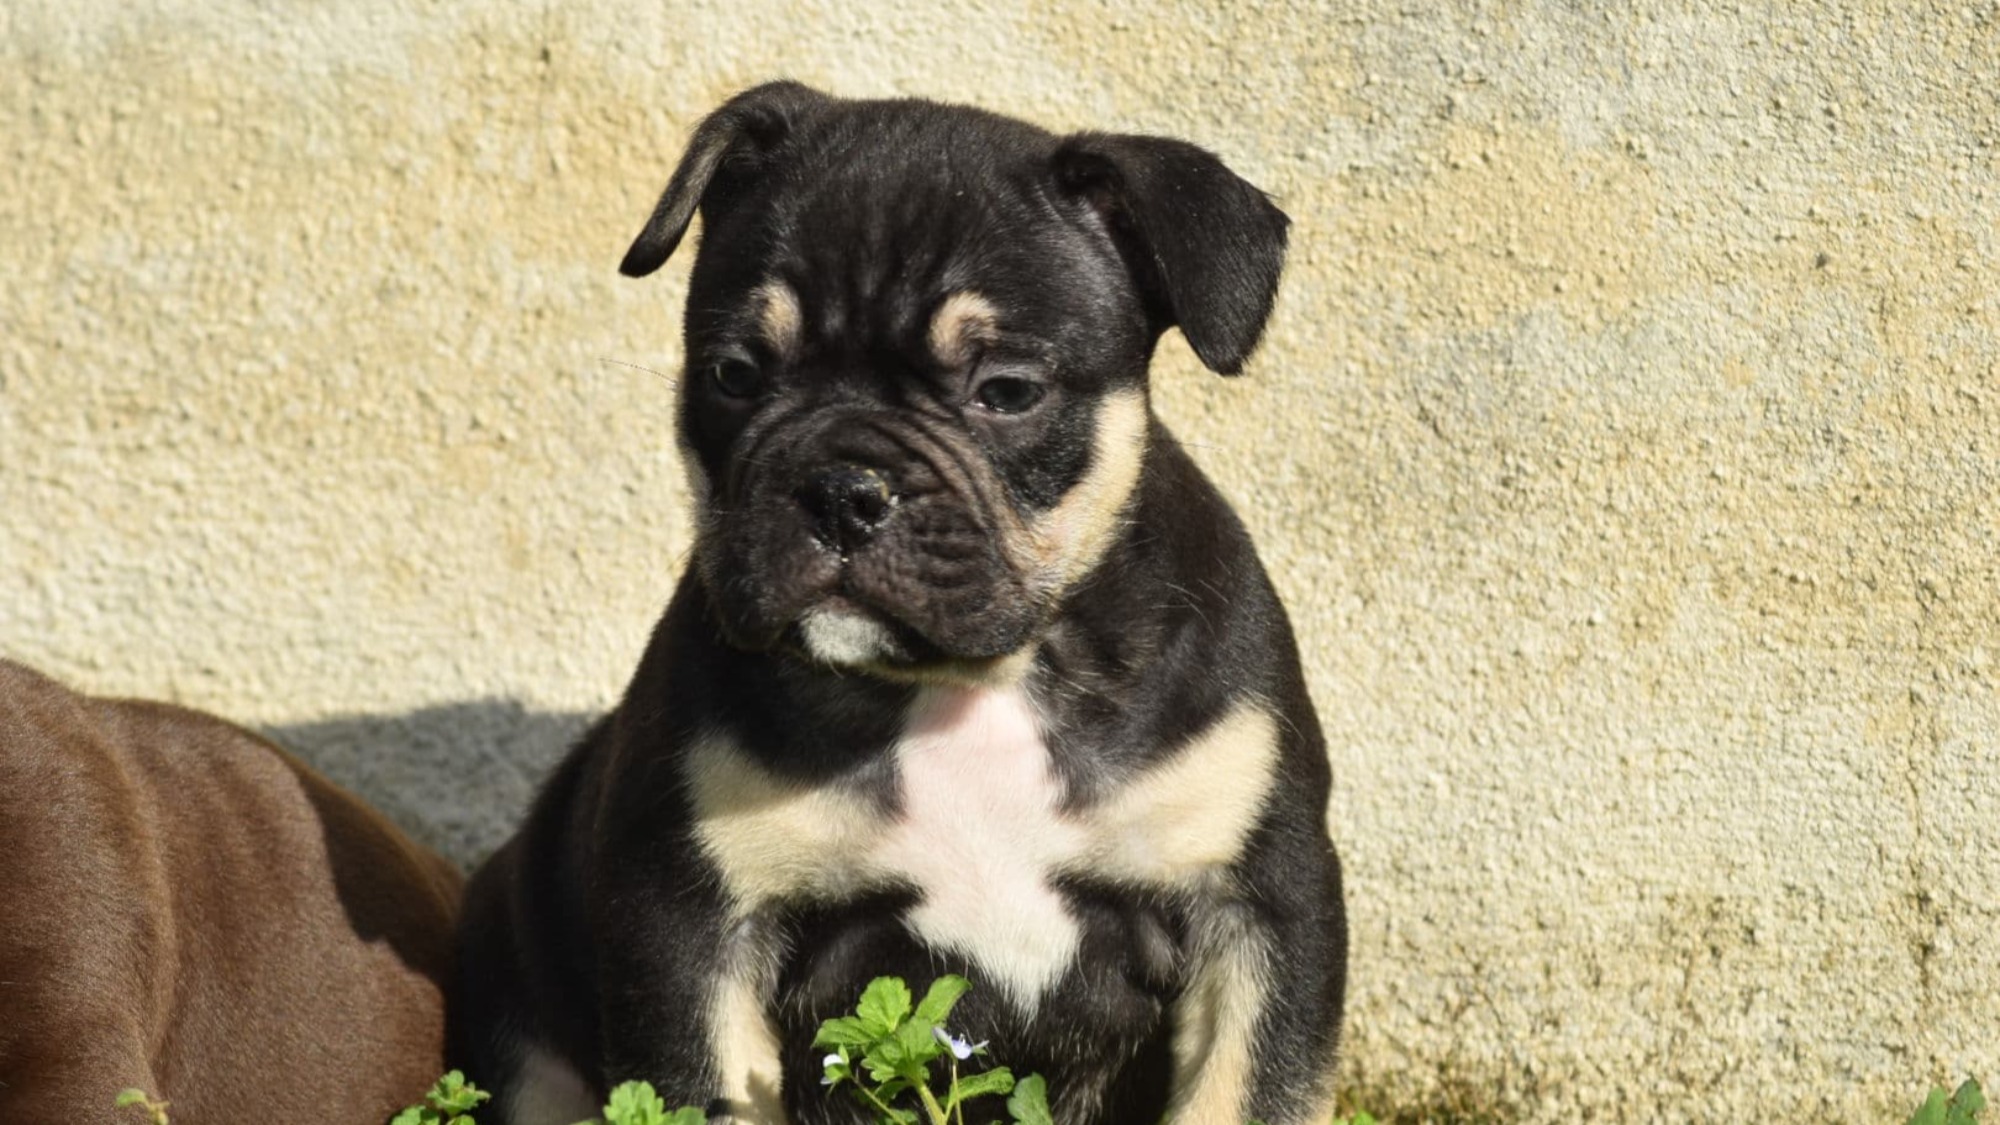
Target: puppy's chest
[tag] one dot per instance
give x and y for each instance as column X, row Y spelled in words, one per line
column 980, row 835
column 981, row 831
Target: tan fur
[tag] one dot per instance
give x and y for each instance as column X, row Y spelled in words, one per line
column 1189, row 817
column 697, row 479
column 1069, row 539
column 746, row 1044
column 1174, row 826
column 1215, row 1024
column 780, row 319
column 962, row 322
column 189, row 910
column 772, row 839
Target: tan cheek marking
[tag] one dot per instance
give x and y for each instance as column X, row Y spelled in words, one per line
column 697, row 477
column 1215, row 1024
column 746, row 1050
column 962, row 321
column 779, row 318
column 770, row 838
column 1190, row 817
column 1068, row 539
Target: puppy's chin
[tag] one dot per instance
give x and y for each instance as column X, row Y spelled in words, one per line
column 804, row 606
column 847, row 638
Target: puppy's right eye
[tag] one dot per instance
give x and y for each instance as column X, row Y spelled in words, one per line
column 736, row 377
column 1007, row 395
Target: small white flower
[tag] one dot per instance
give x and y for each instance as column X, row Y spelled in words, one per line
column 829, row 1063
column 959, row 1048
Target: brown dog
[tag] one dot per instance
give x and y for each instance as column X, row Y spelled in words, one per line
column 187, row 909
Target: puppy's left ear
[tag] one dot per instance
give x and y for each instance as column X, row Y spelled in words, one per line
column 1204, row 245
column 730, row 146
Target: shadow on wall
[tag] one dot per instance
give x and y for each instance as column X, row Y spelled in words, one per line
column 457, row 777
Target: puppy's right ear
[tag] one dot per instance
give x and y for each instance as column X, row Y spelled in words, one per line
column 736, row 138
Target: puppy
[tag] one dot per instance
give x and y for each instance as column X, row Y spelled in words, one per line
column 186, row 909
column 972, row 671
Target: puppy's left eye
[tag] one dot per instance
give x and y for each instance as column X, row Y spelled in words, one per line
column 1008, row 395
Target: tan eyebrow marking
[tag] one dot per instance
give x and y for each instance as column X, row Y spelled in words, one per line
column 961, row 321
column 779, row 317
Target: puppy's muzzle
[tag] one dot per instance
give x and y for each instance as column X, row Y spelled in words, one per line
column 846, row 505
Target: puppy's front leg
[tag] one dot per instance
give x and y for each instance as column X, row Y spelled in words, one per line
column 686, row 1007
column 1257, row 1027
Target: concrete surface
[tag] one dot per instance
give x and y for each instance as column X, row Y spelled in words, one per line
column 1625, row 444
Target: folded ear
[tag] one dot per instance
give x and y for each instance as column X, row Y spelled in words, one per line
column 1203, row 244
column 730, row 143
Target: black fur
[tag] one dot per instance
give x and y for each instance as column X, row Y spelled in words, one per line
column 595, row 932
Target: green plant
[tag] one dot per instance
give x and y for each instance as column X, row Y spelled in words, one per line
column 1958, row 1108
column 449, row 1102
column 156, row 1112
column 885, row 1051
column 452, row 1100
column 635, row 1103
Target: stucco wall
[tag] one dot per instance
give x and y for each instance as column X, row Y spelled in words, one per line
column 1625, row 445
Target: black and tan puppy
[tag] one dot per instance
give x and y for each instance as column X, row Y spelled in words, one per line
column 972, row 672
column 186, row 909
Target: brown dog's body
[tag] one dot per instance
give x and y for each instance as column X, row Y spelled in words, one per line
column 187, row 909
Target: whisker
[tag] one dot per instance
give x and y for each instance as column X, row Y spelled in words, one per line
column 669, row 379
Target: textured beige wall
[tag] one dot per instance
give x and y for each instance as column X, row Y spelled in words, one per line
column 1625, row 444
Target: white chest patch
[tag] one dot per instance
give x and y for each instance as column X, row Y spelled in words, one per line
column 980, row 832
column 980, row 835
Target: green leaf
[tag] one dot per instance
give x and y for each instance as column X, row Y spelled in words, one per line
column 883, row 1005
column 415, row 1115
column 999, row 1080
column 1933, row 1109
column 635, row 1103
column 920, row 1047
column 130, row 1096
column 687, row 1115
column 884, row 1060
column 1966, row 1103
column 938, row 1002
column 1029, row 1104
column 844, row 1031
column 888, row 1091
column 453, row 1094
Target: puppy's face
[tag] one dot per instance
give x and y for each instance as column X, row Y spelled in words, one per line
column 917, row 336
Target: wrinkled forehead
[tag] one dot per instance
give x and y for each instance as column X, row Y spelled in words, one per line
column 866, row 236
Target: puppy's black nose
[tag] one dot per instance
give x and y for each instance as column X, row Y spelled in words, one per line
column 847, row 504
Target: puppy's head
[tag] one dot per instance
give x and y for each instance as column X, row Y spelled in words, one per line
column 917, row 336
